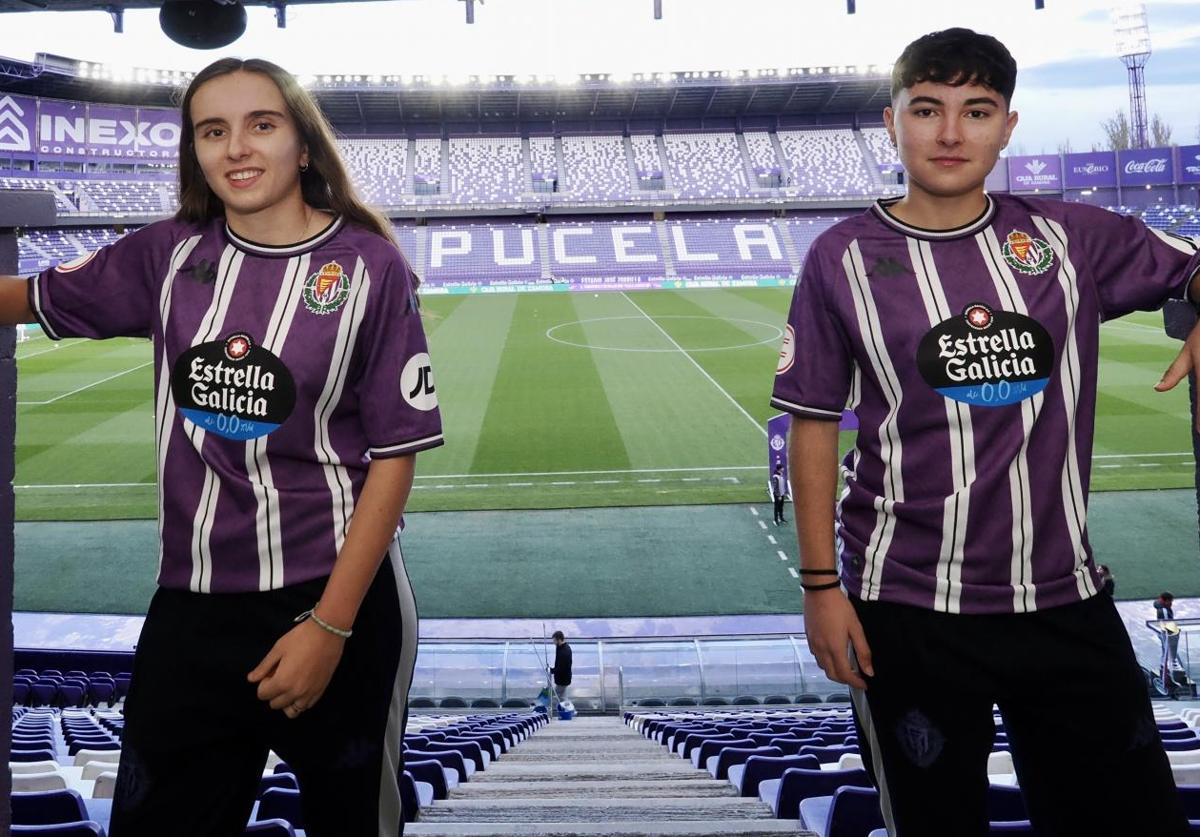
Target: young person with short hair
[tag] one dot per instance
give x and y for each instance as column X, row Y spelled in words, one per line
column 956, row 574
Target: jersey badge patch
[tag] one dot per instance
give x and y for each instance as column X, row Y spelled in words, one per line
column 1027, row 254
column 416, row 383
column 987, row 358
column 787, row 352
column 326, row 290
column 233, row 388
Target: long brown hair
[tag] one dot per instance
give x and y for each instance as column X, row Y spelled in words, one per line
column 324, row 185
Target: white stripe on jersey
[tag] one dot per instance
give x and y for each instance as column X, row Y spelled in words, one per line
column 336, row 476
column 228, row 268
column 889, row 432
column 403, row 446
column 793, row 406
column 258, row 467
column 1074, row 499
column 1019, row 483
column 390, row 810
column 850, row 473
column 164, row 407
column 37, row 308
column 948, row 592
column 1183, row 244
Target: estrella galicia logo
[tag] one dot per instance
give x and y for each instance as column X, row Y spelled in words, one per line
column 233, row 388
column 416, row 382
column 987, row 358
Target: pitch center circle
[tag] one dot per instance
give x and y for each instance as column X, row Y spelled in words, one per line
column 775, row 333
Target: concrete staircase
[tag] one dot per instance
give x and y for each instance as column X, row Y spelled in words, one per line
column 594, row 776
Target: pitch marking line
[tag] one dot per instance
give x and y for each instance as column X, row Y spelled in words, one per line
column 83, row 388
column 703, row 372
column 782, row 555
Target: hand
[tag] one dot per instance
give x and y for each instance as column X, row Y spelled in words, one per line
column 832, row 625
column 298, row 668
column 1186, row 361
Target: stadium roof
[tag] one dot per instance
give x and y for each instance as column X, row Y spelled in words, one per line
column 382, row 104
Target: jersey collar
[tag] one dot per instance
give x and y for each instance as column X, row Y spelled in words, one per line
column 880, row 208
column 284, row 250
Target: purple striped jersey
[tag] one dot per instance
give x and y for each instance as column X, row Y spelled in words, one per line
column 280, row 372
column 969, row 357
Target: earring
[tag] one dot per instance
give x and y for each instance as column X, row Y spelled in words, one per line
column 303, row 168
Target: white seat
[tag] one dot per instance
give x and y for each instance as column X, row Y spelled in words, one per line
column 94, row 768
column 105, row 783
column 736, row 772
column 48, row 766
column 26, row 782
column 84, row 756
column 1000, row 762
column 1186, row 774
column 1183, row 756
column 424, row 794
column 850, row 761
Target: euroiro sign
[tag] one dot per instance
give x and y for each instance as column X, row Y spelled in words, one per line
column 1090, row 170
column 1189, row 164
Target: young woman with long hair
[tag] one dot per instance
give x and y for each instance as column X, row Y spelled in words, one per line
column 292, row 389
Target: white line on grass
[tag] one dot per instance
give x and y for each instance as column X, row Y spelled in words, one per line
column 792, row 570
column 703, row 372
column 762, row 525
column 590, row 473
column 782, row 555
column 83, row 388
column 771, row 538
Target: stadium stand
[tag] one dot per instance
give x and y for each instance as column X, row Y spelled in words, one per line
column 825, row 162
column 706, row 165
column 486, row 169
column 881, row 147
column 647, row 161
column 543, row 164
column 597, row 168
column 427, row 166
column 379, row 167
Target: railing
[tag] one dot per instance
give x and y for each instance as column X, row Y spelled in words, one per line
column 611, row 673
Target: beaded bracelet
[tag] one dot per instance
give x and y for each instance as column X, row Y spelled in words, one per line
column 323, row 625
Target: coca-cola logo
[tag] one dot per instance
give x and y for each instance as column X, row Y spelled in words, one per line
column 1157, row 165
column 1091, row 168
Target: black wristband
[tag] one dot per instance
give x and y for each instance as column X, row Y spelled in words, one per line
column 811, row 587
column 818, row 572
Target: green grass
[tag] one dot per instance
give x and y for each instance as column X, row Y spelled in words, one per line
column 650, row 398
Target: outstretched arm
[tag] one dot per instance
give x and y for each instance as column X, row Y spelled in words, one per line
column 14, row 301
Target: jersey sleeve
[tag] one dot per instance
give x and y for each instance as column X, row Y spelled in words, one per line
column 1135, row 267
column 107, row 293
column 395, row 383
column 815, row 367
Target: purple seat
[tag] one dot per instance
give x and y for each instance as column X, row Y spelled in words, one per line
column 277, row 780
column 31, row 755
column 102, row 691
column 430, row 772
column 853, row 813
column 87, row 828
column 1005, row 804
column 410, row 802
column 798, row 784
column 730, row 756
column 21, row 692
column 44, row 693
column 1014, row 827
column 713, row 746
column 271, row 828
column 1189, row 796
column 469, row 750
column 281, row 804
column 694, row 739
column 760, row 768
column 1187, row 744
column 452, row 759
column 828, row 755
column 48, row 808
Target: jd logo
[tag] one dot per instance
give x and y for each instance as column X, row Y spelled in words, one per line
column 416, row 382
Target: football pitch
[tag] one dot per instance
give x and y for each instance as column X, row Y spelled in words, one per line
column 555, row 400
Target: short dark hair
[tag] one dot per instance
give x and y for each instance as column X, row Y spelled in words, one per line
column 956, row 57
column 559, row 635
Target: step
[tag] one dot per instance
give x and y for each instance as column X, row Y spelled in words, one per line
column 591, row 754
column 706, row 828
column 536, row 809
column 505, row 771
column 587, row 788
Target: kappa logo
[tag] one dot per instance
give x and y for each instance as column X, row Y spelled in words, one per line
column 1029, row 255
column 1035, row 166
column 326, row 290
column 14, row 136
column 887, row 266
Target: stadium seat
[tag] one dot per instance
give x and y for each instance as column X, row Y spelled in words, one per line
column 453, row 703
column 514, row 703
column 106, row 784
column 48, row 808
column 280, row 804
column 431, row 773
column 422, row 703
column 850, row 812
column 718, row 765
column 46, row 766
column 757, row 769
column 82, row 757
column 798, row 784
column 270, row 828
column 85, row 828
column 485, row 703
column 1005, row 804
column 45, row 754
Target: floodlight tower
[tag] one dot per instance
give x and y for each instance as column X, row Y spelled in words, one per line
column 1133, row 45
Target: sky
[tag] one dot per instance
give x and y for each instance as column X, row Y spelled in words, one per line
column 1070, row 78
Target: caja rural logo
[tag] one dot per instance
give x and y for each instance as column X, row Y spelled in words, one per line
column 1027, row 254
column 987, row 358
